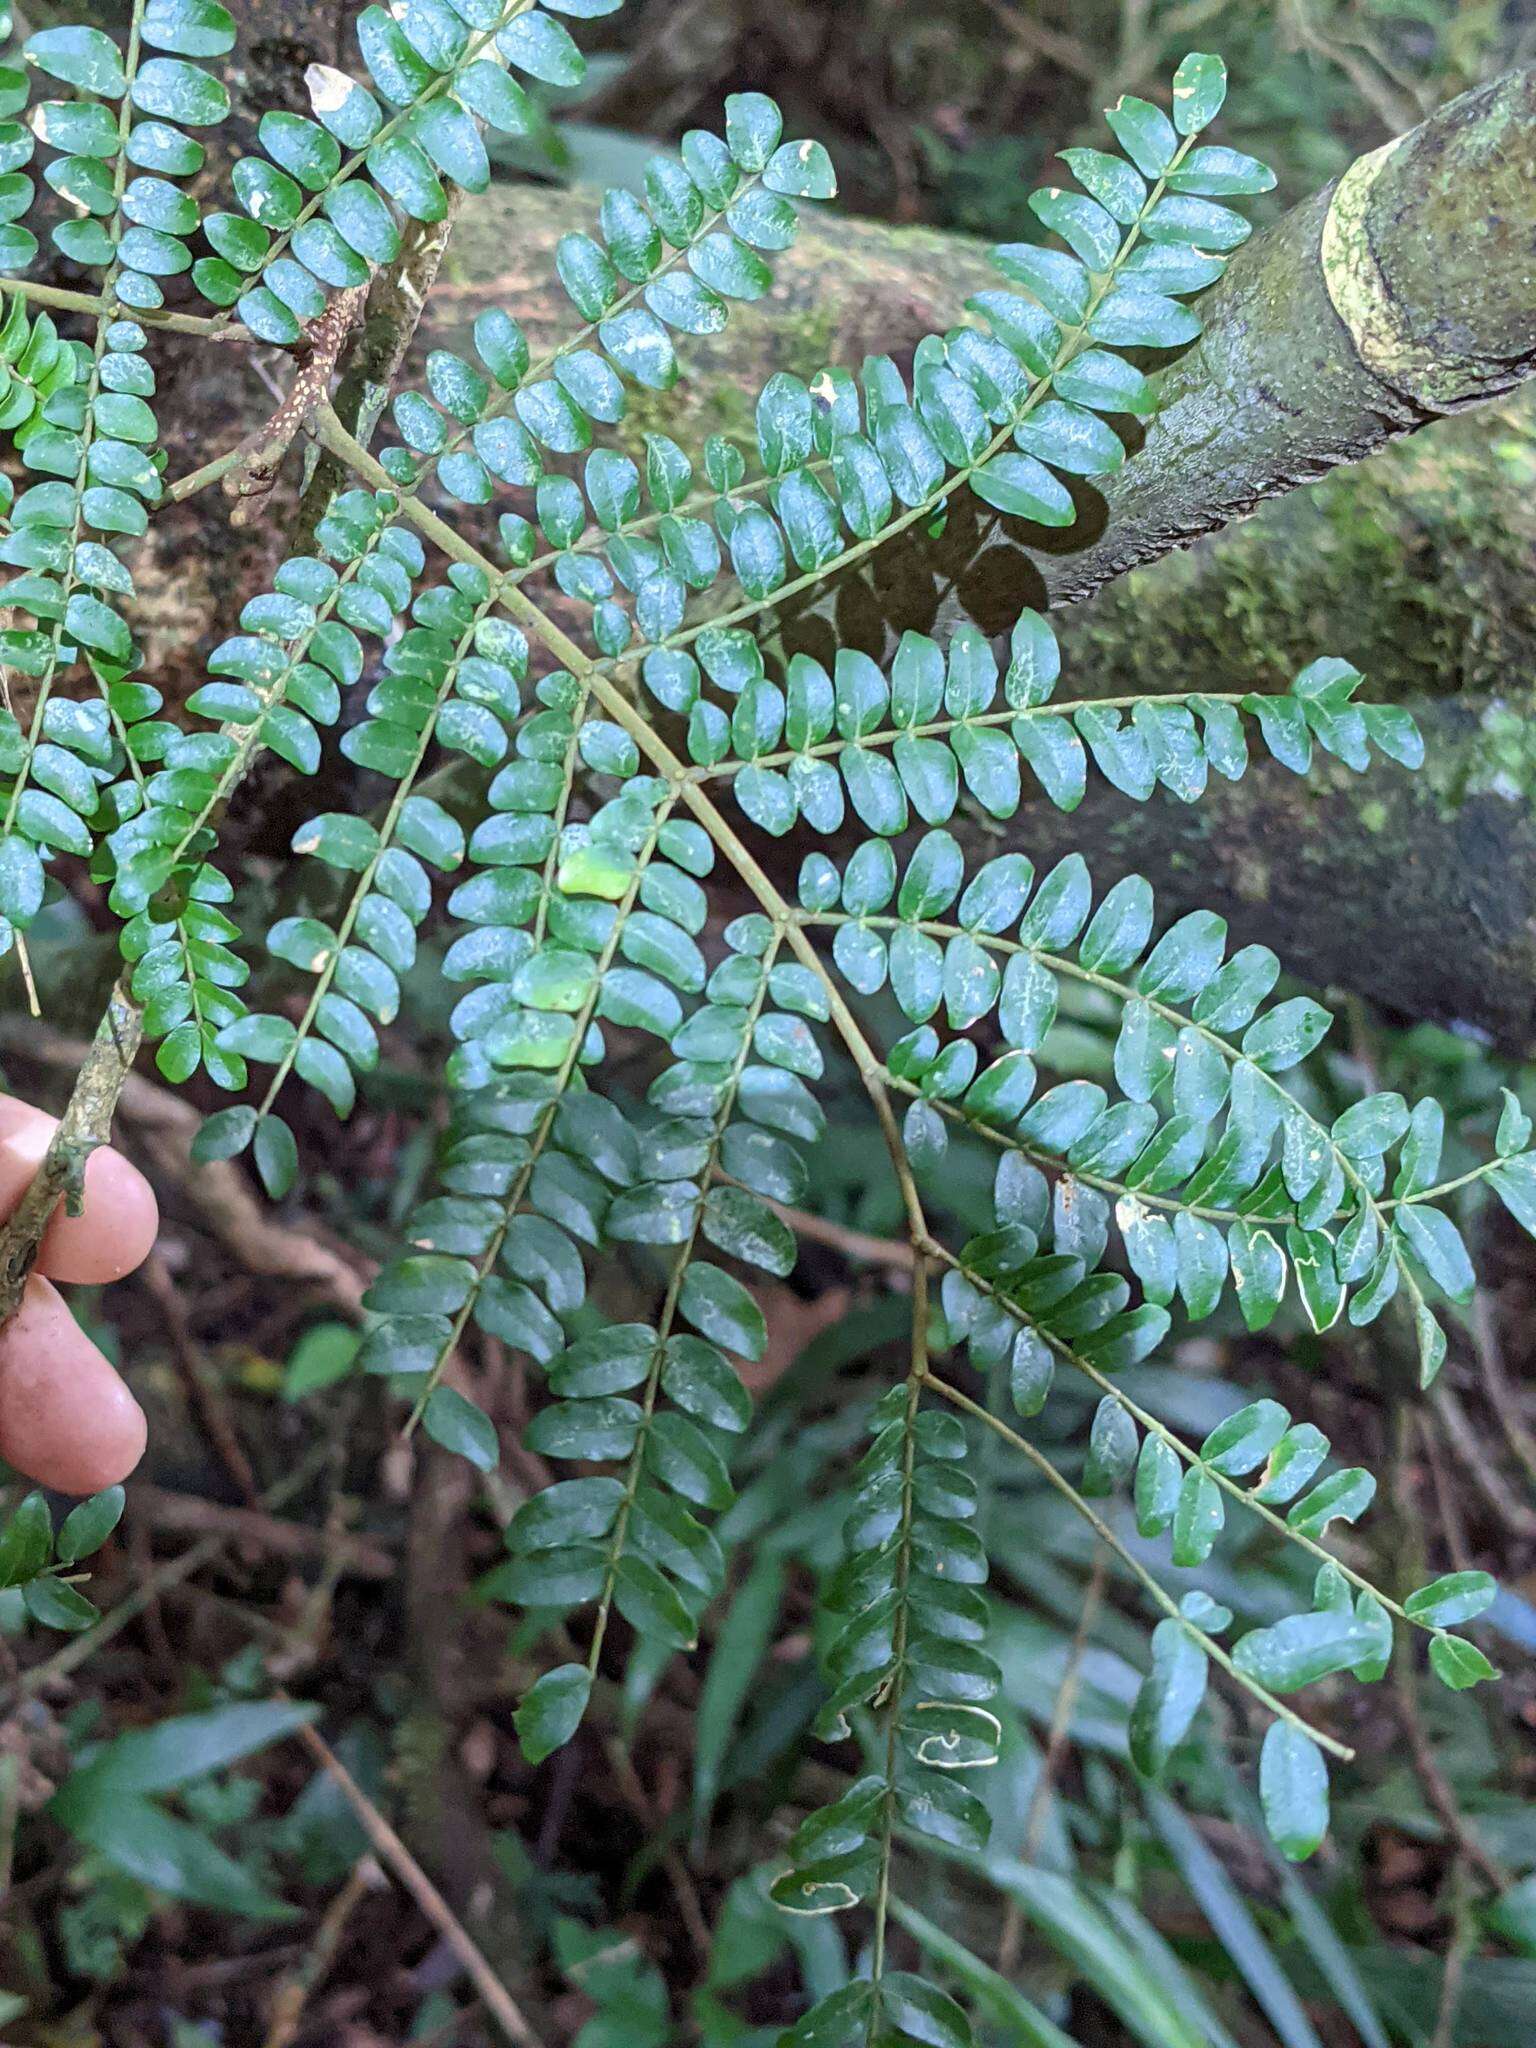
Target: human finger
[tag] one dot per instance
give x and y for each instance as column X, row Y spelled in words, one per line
column 116, row 1228
column 67, row 1418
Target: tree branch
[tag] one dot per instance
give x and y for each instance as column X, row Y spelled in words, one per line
column 250, row 478
column 392, row 311
column 1396, row 295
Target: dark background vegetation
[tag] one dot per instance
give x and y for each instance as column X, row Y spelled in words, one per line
column 282, row 1535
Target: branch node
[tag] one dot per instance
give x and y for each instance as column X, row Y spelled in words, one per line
column 261, row 454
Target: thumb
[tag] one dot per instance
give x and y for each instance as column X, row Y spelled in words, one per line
column 67, row 1418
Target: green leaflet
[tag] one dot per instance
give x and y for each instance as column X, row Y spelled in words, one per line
column 1293, row 1784
column 1169, row 1698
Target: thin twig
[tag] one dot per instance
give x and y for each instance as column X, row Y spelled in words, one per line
column 292, row 1996
column 678, row 1874
column 1394, row 102
column 1058, row 48
column 222, row 1195
column 1485, row 1475
column 1066, row 1700
column 1502, row 1397
column 66, row 301
column 1436, row 1785
column 10, row 1808
column 339, row 1557
column 28, row 978
column 639, row 1803
column 202, row 1390
column 860, row 1245
column 1464, row 1938
column 1446, row 1502
column 1055, row 1749
column 494, row 1995
column 199, row 479
column 81, row 1648
column 250, row 478
column 374, row 354
column 253, row 1528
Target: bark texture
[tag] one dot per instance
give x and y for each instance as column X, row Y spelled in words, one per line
column 1397, row 887
column 1402, row 292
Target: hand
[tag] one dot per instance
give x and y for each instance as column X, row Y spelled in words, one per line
column 67, row 1419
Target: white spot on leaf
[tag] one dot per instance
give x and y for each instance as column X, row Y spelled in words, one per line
column 329, row 89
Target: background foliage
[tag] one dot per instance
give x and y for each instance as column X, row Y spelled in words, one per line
column 1103, row 1906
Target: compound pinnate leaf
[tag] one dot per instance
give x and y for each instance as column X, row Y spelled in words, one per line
column 516, row 798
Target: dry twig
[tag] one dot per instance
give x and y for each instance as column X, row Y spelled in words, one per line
column 1503, row 1397
column 80, row 1649
column 1463, row 1945
column 253, row 1528
column 377, row 348
column 1485, row 1475
column 494, row 1995
column 670, row 1858
column 1437, row 1788
column 202, row 1389
column 292, row 1996
column 860, row 1245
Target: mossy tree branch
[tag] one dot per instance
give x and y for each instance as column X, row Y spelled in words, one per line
column 1396, row 295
